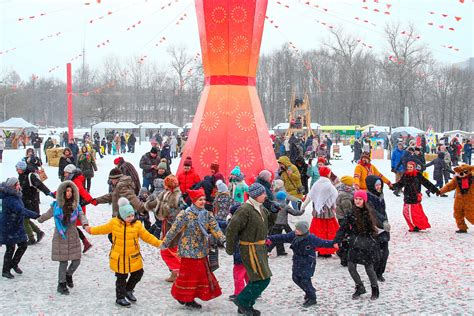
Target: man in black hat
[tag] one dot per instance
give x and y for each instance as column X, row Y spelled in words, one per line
column 149, row 163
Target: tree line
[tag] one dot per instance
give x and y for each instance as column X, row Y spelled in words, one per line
column 347, row 83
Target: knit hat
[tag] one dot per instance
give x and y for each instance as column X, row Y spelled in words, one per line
column 255, row 190
column 235, row 171
column 218, row 176
column 143, row 190
column 360, row 194
column 302, row 227
column 347, row 180
column 365, row 155
column 21, row 165
column 324, row 171
column 265, row 175
column 125, row 209
column 221, row 186
column 115, row 173
column 10, row 182
column 194, row 195
column 281, row 195
column 171, row 182
column 215, row 167
column 69, row 168
column 188, row 162
column 322, row 160
column 118, row 161
column 162, row 165
column 154, row 150
column 278, row 183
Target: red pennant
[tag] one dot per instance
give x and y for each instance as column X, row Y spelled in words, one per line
column 458, row 18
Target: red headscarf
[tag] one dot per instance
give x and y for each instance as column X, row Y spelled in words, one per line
column 196, row 194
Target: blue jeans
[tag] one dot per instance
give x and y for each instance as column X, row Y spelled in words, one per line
column 148, row 183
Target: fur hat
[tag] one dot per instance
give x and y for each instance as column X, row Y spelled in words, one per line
column 12, row 181
column 69, row 168
column 21, row 165
column 361, row 194
column 171, row 182
column 125, row 209
column 324, row 171
column 265, row 175
column 221, row 186
column 255, row 190
column 115, row 173
column 118, row 161
column 347, row 180
column 215, row 167
column 365, row 154
column 302, row 227
column 154, row 150
column 188, row 162
column 194, row 195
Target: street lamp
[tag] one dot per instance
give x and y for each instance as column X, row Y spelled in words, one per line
column 5, row 104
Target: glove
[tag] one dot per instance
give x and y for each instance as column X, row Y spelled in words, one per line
column 94, row 202
column 268, row 242
column 386, row 226
column 51, row 194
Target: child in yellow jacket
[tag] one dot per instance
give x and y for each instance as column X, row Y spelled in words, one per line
column 125, row 256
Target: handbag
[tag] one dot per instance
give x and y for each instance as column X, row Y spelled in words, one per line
column 42, row 175
column 213, row 258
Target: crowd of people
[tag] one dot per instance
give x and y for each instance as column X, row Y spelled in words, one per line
column 196, row 216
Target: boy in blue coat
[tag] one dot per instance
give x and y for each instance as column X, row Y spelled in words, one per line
column 303, row 245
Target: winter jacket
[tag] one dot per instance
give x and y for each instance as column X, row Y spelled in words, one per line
column 128, row 169
column 304, row 253
column 303, row 169
column 464, row 199
column 362, row 245
column 238, row 190
column 222, row 205
column 193, row 243
column 376, row 199
column 166, row 206
column 251, row 225
column 33, row 162
column 467, row 150
column 344, row 201
column 357, row 150
column 123, row 188
column 31, row 197
column 419, row 160
column 362, row 171
column 187, row 179
column 282, row 217
column 84, row 197
column 63, row 162
column 146, row 162
column 69, row 248
column 440, row 167
column 12, row 213
column 291, row 179
column 411, row 182
column 208, row 185
column 36, row 142
column 86, row 162
column 125, row 256
column 313, row 173
column 397, row 155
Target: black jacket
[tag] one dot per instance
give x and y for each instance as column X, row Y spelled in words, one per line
column 63, row 162
column 376, row 199
column 30, row 193
column 146, row 162
column 411, row 184
column 440, row 167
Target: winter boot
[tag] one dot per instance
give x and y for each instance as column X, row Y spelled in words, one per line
column 122, row 302
column 461, row 231
column 375, row 293
column 193, row 304
column 62, row 289
column 360, row 289
column 309, row 302
column 69, row 281
column 130, row 297
column 173, row 276
column 31, row 241
column 381, row 278
column 87, row 245
column 8, row 275
column 17, row 270
column 39, row 236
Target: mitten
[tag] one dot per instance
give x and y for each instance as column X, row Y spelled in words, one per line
column 51, row 194
column 386, row 226
column 94, row 202
column 268, row 242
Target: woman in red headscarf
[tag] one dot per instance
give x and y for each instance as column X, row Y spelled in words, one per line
column 323, row 196
column 413, row 212
column 195, row 279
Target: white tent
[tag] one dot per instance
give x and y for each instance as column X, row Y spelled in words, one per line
column 127, row 125
column 148, row 125
column 188, row 125
column 105, row 125
column 17, row 122
column 377, row 129
column 168, row 126
column 410, row 130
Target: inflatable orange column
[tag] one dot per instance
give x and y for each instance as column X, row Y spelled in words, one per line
column 229, row 127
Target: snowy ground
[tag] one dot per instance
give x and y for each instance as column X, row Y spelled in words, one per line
column 430, row 272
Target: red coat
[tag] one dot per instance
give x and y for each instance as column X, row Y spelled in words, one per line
column 79, row 181
column 187, row 180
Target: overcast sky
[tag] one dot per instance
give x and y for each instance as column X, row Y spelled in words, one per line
column 298, row 24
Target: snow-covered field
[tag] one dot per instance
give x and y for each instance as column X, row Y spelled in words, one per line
column 429, row 272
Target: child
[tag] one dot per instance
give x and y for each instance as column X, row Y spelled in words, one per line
column 222, row 204
column 375, row 198
column 66, row 243
column 144, row 217
column 125, row 256
column 344, row 204
column 281, row 222
column 238, row 187
column 312, row 172
column 304, row 257
column 360, row 226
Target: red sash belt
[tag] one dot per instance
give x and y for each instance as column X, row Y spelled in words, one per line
column 230, row 80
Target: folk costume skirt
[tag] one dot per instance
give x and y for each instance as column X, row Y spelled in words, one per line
column 195, row 280
column 324, row 228
column 415, row 216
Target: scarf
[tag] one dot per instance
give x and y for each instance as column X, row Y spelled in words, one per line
column 323, row 193
column 58, row 219
column 411, row 173
column 202, row 219
column 256, row 205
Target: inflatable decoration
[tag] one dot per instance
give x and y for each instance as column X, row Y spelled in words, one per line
column 229, row 127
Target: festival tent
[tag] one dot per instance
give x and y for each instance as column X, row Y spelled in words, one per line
column 168, row 126
column 127, row 125
column 102, row 128
column 146, row 126
column 408, row 130
column 18, row 123
column 376, row 129
column 347, row 130
column 285, row 126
